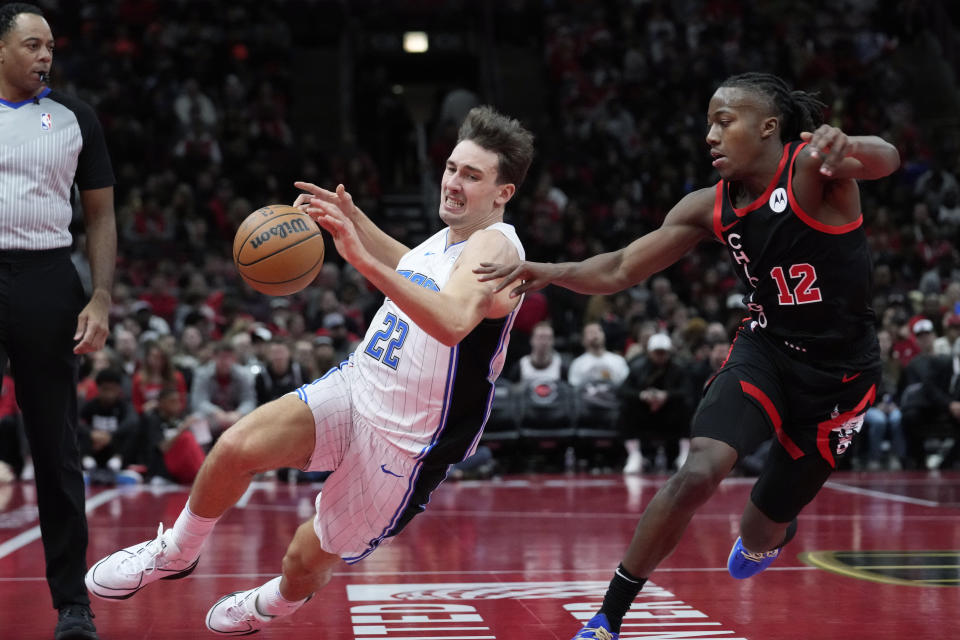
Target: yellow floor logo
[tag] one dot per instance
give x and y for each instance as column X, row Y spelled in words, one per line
column 910, row 568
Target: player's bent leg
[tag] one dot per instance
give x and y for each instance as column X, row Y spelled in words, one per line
column 669, row 512
column 659, row 531
column 278, row 434
column 306, row 569
column 785, row 486
column 759, row 544
column 758, row 531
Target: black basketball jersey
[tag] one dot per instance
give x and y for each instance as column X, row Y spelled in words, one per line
column 809, row 285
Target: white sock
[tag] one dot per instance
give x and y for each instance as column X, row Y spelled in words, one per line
column 270, row 602
column 190, row 530
column 632, row 446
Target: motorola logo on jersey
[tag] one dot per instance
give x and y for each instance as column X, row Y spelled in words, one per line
column 778, row 200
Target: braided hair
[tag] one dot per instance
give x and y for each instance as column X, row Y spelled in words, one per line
column 9, row 13
column 798, row 110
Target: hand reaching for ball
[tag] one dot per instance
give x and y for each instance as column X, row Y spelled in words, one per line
column 340, row 198
column 333, row 211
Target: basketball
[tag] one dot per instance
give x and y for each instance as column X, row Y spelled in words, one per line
column 278, row 250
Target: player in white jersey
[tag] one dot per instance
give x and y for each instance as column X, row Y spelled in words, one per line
column 390, row 420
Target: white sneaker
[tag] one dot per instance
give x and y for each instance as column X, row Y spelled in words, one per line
column 236, row 614
column 634, row 462
column 122, row 573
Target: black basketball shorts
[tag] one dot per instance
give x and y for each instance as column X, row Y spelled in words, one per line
column 812, row 412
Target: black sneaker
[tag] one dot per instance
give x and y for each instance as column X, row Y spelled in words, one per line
column 75, row 623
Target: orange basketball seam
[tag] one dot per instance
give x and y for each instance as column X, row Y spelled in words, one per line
column 270, row 255
column 307, row 272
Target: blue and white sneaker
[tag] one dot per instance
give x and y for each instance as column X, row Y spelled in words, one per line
column 598, row 628
column 742, row 564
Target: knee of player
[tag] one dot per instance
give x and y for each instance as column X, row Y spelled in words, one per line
column 698, row 478
column 298, row 567
column 236, row 450
column 694, row 485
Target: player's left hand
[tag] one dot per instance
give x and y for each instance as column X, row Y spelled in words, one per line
column 831, row 144
column 93, row 324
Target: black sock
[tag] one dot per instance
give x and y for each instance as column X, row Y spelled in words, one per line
column 620, row 595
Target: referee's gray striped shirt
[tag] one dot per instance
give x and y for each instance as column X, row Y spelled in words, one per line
column 47, row 143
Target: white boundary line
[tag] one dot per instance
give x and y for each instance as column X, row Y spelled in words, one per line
column 23, row 539
column 367, row 574
column 860, row 491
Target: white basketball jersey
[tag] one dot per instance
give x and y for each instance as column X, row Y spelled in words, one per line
column 424, row 397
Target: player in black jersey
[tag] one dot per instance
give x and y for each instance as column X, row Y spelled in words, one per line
column 804, row 366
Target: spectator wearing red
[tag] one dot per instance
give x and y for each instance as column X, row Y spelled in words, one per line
column 11, row 439
column 162, row 302
column 167, row 446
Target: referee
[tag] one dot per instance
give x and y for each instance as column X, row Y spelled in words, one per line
column 48, row 142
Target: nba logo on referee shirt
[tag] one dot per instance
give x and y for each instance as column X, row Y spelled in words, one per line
column 46, row 122
column 778, row 200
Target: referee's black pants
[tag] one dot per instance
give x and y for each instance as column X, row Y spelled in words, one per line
column 40, row 298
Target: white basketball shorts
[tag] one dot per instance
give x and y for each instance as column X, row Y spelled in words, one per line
column 374, row 488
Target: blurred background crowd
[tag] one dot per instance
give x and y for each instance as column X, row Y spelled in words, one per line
column 213, row 109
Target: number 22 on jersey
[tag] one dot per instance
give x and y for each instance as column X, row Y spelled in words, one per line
column 392, row 325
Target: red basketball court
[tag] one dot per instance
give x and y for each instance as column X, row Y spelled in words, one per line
column 528, row 557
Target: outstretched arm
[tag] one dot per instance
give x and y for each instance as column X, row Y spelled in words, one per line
column 449, row 314
column 686, row 224
column 383, row 247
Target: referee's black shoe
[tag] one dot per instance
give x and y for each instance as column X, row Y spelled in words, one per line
column 75, row 623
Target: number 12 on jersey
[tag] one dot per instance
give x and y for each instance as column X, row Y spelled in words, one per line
column 803, row 292
column 392, row 324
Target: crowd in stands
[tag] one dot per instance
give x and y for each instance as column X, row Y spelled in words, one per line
column 601, row 410
column 197, row 113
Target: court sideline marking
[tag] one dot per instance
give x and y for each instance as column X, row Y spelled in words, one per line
column 23, row 539
column 873, row 493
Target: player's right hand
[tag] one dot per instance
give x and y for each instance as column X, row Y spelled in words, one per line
column 532, row 275
column 340, row 198
column 830, row 145
column 330, row 216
